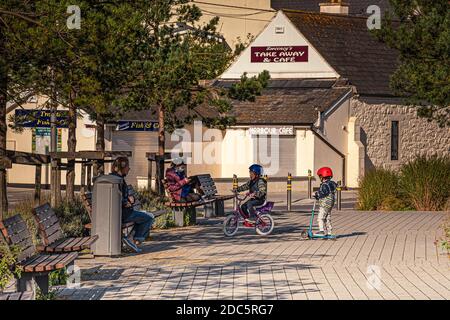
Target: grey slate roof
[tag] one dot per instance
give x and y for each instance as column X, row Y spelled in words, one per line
column 349, row 47
column 356, row 7
column 292, row 101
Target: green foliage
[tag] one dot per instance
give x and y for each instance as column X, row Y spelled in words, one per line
column 151, row 201
column 422, row 184
column 426, row 182
column 51, row 295
column 393, row 203
column 58, row 277
column 73, row 216
column 422, row 38
column 8, row 264
column 377, row 185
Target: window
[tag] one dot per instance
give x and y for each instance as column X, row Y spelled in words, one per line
column 394, row 140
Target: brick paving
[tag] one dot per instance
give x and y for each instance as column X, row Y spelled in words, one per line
column 378, row 255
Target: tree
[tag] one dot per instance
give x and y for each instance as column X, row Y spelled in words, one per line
column 420, row 32
column 174, row 64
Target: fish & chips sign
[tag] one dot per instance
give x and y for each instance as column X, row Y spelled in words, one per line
column 279, row 54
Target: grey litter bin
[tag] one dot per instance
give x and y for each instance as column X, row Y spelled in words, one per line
column 107, row 215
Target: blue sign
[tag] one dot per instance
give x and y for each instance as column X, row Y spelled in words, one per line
column 123, row 125
column 40, row 118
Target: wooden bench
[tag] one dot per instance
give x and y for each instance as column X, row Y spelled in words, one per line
column 52, row 235
column 27, row 295
column 183, row 208
column 35, row 266
column 86, row 198
column 209, row 189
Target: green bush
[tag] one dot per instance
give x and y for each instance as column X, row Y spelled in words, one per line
column 426, row 182
column 72, row 217
column 392, row 203
column 151, row 201
column 8, row 264
column 377, row 185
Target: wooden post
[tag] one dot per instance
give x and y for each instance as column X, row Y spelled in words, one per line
column 58, row 185
column 89, row 178
column 83, row 174
column 37, row 185
column 149, row 175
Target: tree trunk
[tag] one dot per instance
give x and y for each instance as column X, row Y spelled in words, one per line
column 161, row 148
column 71, row 147
column 3, row 100
column 100, row 145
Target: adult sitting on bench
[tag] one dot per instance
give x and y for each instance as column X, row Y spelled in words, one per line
column 142, row 220
column 180, row 187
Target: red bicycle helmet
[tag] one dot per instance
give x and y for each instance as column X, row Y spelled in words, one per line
column 325, row 172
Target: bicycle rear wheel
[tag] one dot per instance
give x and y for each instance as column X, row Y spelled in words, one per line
column 231, row 225
column 264, row 224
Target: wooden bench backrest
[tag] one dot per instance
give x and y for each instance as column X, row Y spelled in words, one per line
column 207, row 185
column 48, row 224
column 16, row 233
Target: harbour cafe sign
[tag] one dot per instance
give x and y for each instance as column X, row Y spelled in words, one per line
column 279, row 54
column 273, row 131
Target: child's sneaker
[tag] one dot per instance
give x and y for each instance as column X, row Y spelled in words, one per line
column 130, row 244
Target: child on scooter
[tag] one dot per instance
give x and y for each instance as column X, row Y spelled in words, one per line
column 326, row 197
column 257, row 187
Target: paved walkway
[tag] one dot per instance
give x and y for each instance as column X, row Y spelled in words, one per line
column 376, row 256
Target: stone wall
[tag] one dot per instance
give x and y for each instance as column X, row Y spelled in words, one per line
column 417, row 136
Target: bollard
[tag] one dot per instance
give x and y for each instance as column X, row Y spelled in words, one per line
column 309, row 184
column 289, row 191
column 339, row 195
column 235, row 185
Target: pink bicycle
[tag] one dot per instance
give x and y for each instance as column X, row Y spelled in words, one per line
column 263, row 223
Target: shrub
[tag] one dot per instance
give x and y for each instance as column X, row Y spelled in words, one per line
column 377, row 185
column 8, row 264
column 72, row 217
column 426, row 182
column 151, row 201
column 392, row 203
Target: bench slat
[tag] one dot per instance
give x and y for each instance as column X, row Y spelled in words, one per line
column 69, row 258
column 29, row 266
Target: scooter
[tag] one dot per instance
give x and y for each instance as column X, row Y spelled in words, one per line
column 308, row 234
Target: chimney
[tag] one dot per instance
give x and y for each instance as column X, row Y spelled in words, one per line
column 334, row 6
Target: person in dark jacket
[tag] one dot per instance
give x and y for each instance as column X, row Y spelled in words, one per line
column 257, row 187
column 143, row 221
column 326, row 197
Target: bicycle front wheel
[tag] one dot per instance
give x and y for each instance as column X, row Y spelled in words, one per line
column 231, row 225
column 264, row 224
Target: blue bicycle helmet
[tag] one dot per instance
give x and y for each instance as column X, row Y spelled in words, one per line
column 257, row 169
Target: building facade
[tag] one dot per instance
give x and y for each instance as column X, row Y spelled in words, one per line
column 328, row 103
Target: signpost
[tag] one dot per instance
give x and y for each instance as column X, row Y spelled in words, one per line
column 279, row 54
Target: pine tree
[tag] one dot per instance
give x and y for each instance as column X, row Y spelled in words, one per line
column 420, row 31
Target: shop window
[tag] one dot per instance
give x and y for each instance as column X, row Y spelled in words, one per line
column 394, row 140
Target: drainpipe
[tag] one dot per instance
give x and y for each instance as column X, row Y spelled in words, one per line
column 313, row 130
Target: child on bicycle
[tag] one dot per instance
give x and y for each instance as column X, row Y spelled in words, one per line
column 326, row 197
column 257, row 187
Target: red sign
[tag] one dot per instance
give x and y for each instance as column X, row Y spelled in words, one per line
column 280, row 54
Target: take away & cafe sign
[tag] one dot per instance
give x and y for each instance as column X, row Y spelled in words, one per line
column 279, row 54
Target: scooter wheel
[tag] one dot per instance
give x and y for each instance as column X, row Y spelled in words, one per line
column 303, row 235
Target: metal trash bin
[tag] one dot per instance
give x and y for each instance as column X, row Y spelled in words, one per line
column 107, row 215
